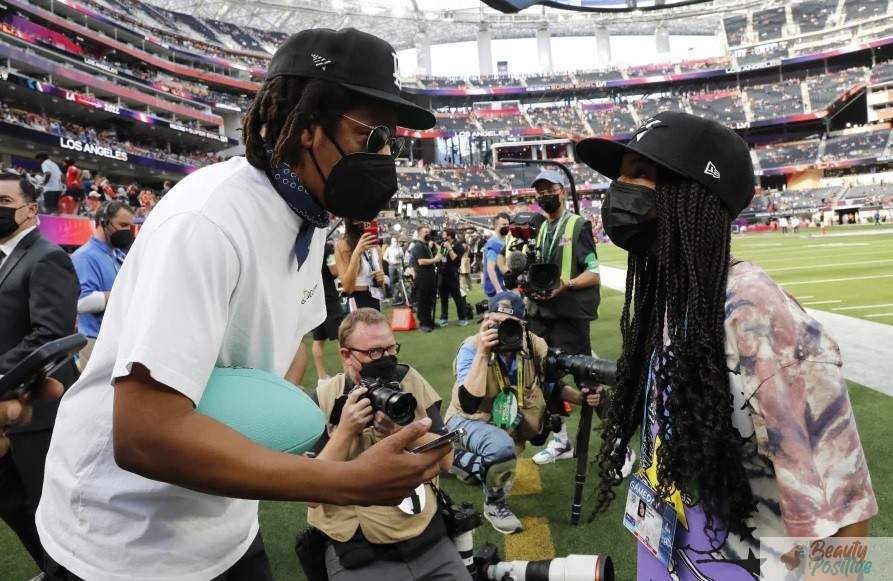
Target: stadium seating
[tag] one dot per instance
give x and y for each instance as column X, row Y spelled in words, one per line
column 788, row 154
column 726, row 107
column 736, row 29
column 812, row 15
column 769, row 24
column 561, row 119
column 862, row 9
column 826, row 89
column 859, row 146
column 776, row 100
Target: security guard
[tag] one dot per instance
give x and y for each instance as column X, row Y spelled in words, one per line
column 379, row 542
column 562, row 317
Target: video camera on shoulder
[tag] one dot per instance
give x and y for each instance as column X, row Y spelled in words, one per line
column 528, row 269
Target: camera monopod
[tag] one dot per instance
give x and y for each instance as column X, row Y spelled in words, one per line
column 584, row 430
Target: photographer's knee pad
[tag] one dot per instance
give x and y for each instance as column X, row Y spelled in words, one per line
column 501, row 473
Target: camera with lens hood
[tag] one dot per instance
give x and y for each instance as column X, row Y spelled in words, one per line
column 510, row 333
column 527, row 269
column 385, row 397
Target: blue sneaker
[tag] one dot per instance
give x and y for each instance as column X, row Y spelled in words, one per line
column 462, row 322
column 442, row 323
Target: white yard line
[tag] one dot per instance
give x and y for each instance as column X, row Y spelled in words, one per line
column 820, row 303
column 862, row 307
column 771, row 270
column 881, row 315
column 836, row 280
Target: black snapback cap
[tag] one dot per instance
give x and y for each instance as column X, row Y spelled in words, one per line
column 356, row 60
column 699, row 149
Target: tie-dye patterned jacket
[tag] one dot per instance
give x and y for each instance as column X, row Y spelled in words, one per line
column 805, row 459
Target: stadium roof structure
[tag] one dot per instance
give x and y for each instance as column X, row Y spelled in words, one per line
column 404, row 22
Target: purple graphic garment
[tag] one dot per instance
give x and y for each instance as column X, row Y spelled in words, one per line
column 803, row 456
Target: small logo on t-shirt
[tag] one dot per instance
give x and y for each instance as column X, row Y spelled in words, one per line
column 308, row 294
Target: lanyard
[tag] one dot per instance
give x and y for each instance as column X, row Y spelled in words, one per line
column 550, row 242
column 500, row 378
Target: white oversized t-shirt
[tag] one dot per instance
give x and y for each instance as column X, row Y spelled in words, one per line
column 212, row 280
column 54, row 181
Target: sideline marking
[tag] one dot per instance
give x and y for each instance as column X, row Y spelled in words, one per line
column 881, row 315
column 837, row 280
column 862, row 307
column 825, row 265
column 527, row 479
column 534, row 543
column 820, row 303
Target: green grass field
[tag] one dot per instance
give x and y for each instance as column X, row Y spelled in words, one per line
column 800, row 262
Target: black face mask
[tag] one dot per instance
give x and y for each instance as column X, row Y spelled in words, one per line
column 504, row 231
column 549, row 204
column 8, row 223
column 623, row 216
column 359, row 185
column 427, row 238
column 121, row 239
column 384, row 367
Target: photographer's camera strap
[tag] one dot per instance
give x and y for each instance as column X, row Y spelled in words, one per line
column 506, row 404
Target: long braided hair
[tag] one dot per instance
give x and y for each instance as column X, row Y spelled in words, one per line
column 679, row 294
column 283, row 108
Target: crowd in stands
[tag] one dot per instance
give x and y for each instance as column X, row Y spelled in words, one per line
column 722, row 107
column 562, row 119
column 776, row 99
column 768, row 24
column 863, row 9
column 796, row 200
column 98, row 189
column 824, row 89
column 859, row 146
column 503, row 122
column 789, row 154
column 812, row 15
column 102, row 138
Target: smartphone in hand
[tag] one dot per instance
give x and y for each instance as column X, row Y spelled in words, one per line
column 441, row 441
column 38, row 365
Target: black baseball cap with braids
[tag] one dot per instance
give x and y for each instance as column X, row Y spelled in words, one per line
column 356, row 60
column 700, row 149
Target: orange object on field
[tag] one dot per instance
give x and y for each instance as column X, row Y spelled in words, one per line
column 403, row 320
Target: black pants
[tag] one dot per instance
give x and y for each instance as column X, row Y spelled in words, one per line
column 51, row 201
column 254, row 565
column 448, row 285
column 425, row 288
column 569, row 335
column 21, row 482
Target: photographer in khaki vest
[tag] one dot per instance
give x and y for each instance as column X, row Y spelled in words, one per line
column 408, row 541
column 498, row 416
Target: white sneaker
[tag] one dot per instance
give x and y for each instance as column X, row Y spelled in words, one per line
column 502, row 518
column 556, row 450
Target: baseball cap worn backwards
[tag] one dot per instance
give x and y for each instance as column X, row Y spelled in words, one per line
column 356, row 60
column 696, row 148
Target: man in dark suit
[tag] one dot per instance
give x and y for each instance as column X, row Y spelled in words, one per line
column 38, row 303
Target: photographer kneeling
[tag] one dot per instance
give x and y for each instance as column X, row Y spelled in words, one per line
column 373, row 399
column 498, row 417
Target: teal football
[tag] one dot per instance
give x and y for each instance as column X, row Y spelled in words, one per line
column 266, row 409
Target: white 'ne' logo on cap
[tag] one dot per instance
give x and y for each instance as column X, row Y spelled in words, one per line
column 320, row 62
column 396, row 71
column 711, row 170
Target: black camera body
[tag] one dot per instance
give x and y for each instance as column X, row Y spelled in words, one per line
column 527, row 269
column 584, row 369
column 510, row 334
column 385, row 397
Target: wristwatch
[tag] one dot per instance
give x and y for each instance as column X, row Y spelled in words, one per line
column 570, row 285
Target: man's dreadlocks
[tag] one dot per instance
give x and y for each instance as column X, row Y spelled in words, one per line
column 684, row 284
column 283, row 108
